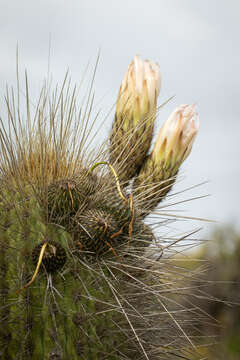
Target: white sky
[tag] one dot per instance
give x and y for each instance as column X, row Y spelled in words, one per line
column 196, row 44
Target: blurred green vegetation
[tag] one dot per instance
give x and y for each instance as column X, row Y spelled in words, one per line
column 218, row 295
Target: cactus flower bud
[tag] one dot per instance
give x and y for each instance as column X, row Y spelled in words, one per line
column 135, row 114
column 173, row 145
column 138, row 93
column 176, row 137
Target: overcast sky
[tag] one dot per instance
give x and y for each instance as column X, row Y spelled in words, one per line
column 196, row 44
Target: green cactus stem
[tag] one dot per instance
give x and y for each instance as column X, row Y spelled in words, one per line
column 77, row 280
column 153, row 184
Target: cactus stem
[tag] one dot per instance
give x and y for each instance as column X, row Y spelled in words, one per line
column 36, row 270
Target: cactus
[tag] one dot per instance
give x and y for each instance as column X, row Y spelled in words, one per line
column 77, row 279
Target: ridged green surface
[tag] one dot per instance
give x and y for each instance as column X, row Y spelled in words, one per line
column 71, row 313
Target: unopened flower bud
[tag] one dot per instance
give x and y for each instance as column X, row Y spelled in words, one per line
column 138, row 93
column 173, row 145
column 176, row 137
column 135, row 114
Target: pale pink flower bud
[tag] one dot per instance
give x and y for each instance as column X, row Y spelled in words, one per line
column 176, row 137
column 139, row 90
